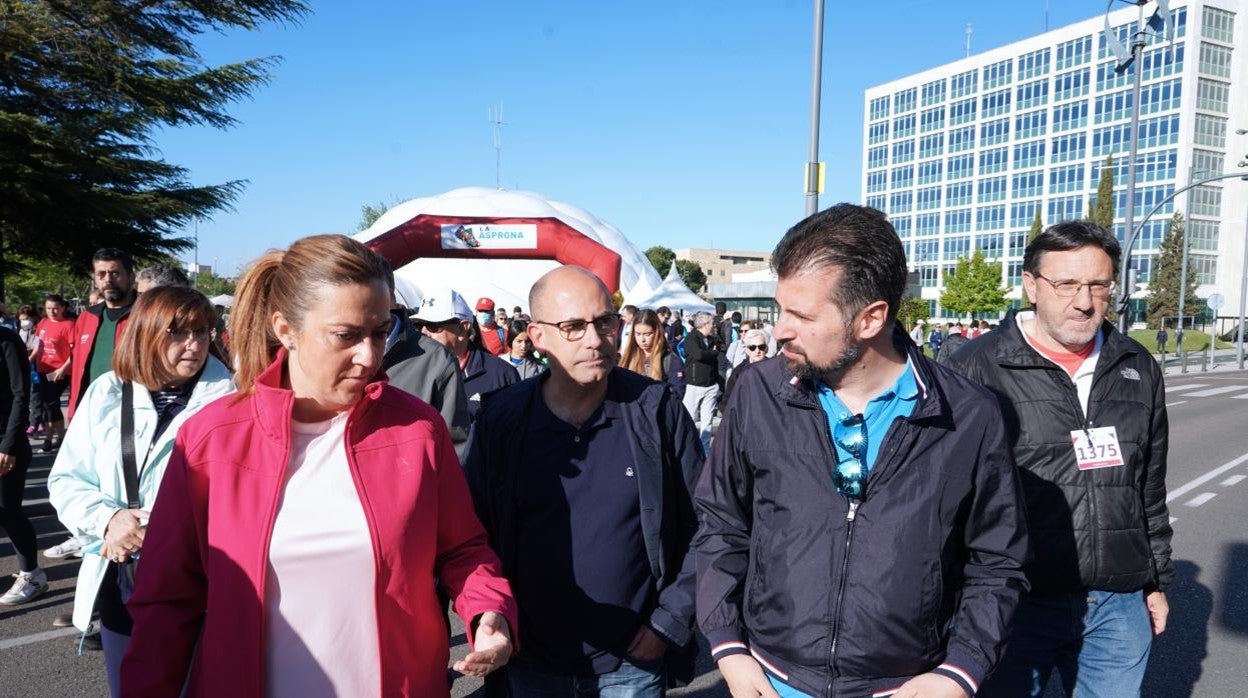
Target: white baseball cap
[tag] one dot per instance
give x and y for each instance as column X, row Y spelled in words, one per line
column 442, row 304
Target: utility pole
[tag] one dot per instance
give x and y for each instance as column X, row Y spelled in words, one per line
column 814, row 168
column 496, row 118
column 1137, row 68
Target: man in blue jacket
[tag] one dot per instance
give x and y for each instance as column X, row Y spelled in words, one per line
column 860, row 501
column 583, row 478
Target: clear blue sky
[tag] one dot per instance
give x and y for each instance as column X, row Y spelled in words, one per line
column 681, row 122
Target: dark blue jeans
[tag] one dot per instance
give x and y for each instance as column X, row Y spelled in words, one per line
column 1097, row 640
column 631, row 680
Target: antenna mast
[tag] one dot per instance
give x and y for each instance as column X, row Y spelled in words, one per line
column 970, row 29
column 496, row 118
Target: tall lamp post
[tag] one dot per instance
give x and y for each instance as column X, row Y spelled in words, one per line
column 813, row 165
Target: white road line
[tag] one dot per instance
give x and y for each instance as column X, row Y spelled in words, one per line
column 1180, row 402
column 37, row 637
column 1240, row 397
column 1189, row 386
column 1179, row 492
column 1216, row 391
column 1201, row 499
column 1233, row 480
column 34, row 502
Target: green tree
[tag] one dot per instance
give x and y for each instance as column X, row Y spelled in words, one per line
column 912, row 310
column 1101, row 208
column 691, row 274
column 87, row 85
column 1037, row 226
column 660, row 258
column 1167, row 277
column 30, row 280
column 975, row 287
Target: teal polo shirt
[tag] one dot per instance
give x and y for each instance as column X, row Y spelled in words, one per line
column 897, row 401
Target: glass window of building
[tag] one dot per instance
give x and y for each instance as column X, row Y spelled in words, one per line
column 878, row 108
column 964, row 84
column 903, row 126
column 1218, row 25
column 905, row 100
column 903, row 152
column 1014, row 274
column 1033, row 64
column 992, row 189
column 961, row 166
column 994, row 132
column 1206, row 163
column 928, row 198
column 1070, row 116
column 877, row 157
column 1070, row 147
column 1202, row 234
column 928, row 224
column 1022, row 213
column 958, row 221
column 1161, row 62
column 932, row 119
column 1206, row 201
column 995, row 160
column 957, row 247
column 990, row 217
column 1153, row 167
column 1031, row 124
column 1204, row 267
column 995, row 103
column 1215, row 60
column 877, row 181
column 1159, row 96
column 1029, row 154
column 962, row 112
column 1066, row 179
column 877, row 132
column 878, row 202
column 1067, row 208
column 930, row 172
column 1122, row 31
column 1032, row 94
column 992, row 245
column 929, row 276
column 1071, row 85
column 931, row 146
column 998, row 74
column 1212, row 95
column 1027, row 184
column 903, row 177
column 962, row 139
column 1210, row 131
column 1018, row 239
column 934, row 92
column 900, row 202
column 1074, row 52
column 1151, row 235
column 902, row 225
column 960, row 194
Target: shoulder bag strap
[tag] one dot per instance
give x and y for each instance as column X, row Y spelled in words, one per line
column 129, row 468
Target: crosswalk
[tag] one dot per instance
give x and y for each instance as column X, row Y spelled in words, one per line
column 1198, row 390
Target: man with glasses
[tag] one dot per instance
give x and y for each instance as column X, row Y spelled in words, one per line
column 1085, row 409
column 583, row 478
column 860, row 501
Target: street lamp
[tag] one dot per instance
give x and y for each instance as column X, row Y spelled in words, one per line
column 816, row 86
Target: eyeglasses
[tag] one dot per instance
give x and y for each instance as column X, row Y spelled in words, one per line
column 606, row 325
column 109, row 273
column 850, row 475
column 1069, row 288
column 185, row 336
column 756, row 347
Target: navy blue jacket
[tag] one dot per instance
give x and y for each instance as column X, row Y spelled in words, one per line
column 484, row 374
column 849, row 599
column 667, row 455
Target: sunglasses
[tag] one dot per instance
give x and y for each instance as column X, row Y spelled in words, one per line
column 850, row 476
column 756, row 347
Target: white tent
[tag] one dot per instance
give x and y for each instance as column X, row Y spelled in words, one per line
column 223, row 301
column 675, row 295
column 505, row 281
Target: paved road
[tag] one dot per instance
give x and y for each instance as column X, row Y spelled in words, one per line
column 1202, row 654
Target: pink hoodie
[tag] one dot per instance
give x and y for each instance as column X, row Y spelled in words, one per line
column 198, row 602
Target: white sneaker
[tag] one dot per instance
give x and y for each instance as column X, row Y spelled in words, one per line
column 28, row 587
column 70, row 548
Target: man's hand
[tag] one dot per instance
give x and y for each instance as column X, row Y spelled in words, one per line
column 646, row 646
column 7, row 462
column 124, row 535
column 491, row 647
column 930, row 686
column 745, row 678
column 1158, row 610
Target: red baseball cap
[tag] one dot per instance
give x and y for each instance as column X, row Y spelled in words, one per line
column 485, row 304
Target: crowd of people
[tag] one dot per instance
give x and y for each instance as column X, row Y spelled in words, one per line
column 286, row 504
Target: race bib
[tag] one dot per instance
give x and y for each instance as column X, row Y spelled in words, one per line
column 1096, row 448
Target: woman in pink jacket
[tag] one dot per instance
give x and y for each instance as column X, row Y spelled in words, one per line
column 303, row 524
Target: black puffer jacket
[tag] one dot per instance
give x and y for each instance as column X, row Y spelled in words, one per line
column 1107, row 528
column 849, row 600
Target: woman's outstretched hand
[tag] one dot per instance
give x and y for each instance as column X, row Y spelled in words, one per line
column 491, row 646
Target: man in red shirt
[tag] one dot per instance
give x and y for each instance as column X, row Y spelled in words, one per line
column 493, row 335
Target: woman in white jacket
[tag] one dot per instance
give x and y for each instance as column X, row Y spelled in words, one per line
column 166, row 356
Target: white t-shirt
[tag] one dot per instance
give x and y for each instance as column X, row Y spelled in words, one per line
column 320, row 596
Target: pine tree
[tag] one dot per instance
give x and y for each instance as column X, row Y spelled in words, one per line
column 975, row 287
column 1037, row 226
column 87, row 85
column 1101, row 208
column 1167, row 275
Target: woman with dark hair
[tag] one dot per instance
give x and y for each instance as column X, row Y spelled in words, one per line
column 646, row 352
column 163, row 372
column 305, row 524
column 520, row 351
column 56, row 337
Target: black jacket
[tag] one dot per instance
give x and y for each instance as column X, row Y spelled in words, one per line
column 667, row 455
column 1107, row 528
column 701, row 359
column 14, row 392
column 429, row 371
column 842, row 599
column 484, row 374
